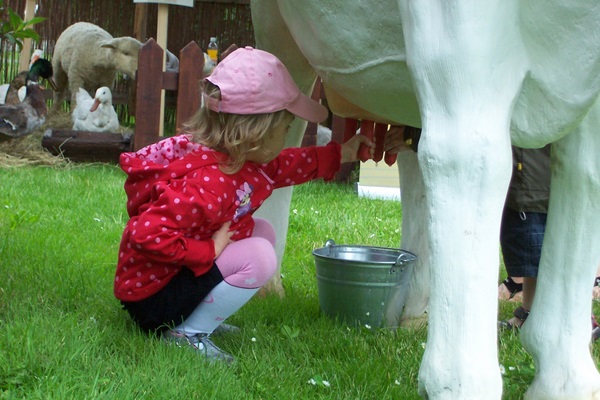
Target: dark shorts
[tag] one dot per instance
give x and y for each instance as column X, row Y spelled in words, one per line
column 175, row 302
column 521, row 240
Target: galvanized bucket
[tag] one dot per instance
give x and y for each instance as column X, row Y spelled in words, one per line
column 363, row 285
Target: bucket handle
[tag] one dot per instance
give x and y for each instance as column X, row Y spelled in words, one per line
column 403, row 258
column 328, row 244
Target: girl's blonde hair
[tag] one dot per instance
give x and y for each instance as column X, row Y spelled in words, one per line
column 232, row 134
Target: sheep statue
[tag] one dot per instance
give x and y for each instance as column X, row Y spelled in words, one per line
column 86, row 56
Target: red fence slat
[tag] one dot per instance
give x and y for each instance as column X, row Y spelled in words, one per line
column 191, row 65
column 148, row 94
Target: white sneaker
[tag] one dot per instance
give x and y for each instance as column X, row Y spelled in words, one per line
column 200, row 343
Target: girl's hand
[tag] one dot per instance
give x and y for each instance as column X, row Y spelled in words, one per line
column 394, row 140
column 350, row 148
column 222, row 238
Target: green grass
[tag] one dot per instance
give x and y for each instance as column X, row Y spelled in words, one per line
column 64, row 336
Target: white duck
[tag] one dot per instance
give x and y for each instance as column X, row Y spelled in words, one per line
column 95, row 114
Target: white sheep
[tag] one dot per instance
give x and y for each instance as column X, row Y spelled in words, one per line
column 87, row 56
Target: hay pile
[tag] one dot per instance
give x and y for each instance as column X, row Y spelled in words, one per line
column 28, row 150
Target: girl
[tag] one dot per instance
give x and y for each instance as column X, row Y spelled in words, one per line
column 191, row 254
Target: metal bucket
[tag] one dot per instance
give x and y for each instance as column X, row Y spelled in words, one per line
column 363, row 285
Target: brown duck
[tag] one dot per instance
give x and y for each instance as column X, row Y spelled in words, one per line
column 18, row 120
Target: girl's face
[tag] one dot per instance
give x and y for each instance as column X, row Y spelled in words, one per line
column 273, row 143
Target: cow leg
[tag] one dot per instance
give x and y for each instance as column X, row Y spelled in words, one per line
column 460, row 361
column 414, row 238
column 557, row 332
column 273, row 36
column 466, row 80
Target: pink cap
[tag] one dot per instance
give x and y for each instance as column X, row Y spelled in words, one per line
column 253, row 81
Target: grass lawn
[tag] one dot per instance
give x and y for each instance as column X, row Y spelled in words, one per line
column 64, row 336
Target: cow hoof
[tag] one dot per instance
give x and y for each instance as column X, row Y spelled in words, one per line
column 414, row 322
column 272, row 288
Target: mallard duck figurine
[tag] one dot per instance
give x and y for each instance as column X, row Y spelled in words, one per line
column 15, row 91
column 95, row 114
column 18, row 120
column 37, row 54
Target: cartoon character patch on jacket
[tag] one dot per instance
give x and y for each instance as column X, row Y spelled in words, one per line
column 243, row 195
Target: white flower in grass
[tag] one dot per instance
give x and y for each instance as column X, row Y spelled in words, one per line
column 397, row 382
column 502, row 369
column 372, row 235
column 423, row 344
column 295, row 211
column 367, row 326
column 96, row 219
column 253, row 339
column 317, row 380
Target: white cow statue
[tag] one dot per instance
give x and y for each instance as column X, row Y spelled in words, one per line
column 474, row 74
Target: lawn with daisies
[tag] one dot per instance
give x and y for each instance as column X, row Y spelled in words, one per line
column 64, row 336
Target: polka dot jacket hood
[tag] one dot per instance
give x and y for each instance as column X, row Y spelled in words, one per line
column 177, row 197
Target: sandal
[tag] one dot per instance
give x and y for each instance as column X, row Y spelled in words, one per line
column 596, row 289
column 511, row 288
column 521, row 314
column 595, row 329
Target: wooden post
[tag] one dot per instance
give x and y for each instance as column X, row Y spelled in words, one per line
column 26, row 51
column 161, row 39
column 148, row 88
column 140, row 24
column 191, row 64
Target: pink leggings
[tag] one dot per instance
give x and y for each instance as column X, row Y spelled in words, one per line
column 250, row 263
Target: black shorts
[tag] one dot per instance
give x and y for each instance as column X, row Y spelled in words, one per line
column 521, row 237
column 175, row 302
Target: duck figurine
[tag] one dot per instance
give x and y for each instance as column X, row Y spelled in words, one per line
column 95, row 114
column 18, row 120
column 14, row 92
column 4, row 87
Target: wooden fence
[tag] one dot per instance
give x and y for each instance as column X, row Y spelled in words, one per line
column 229, row 21
column 151, row 81
column 184, row 92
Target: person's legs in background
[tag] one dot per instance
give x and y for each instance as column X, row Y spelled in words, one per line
column 511, row 289
column 521, row 238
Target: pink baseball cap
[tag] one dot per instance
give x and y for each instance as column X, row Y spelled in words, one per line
column 254, row 81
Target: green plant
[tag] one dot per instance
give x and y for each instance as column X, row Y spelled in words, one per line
column 13, row 29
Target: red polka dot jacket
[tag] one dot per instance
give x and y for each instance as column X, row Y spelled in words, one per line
column 177, row 197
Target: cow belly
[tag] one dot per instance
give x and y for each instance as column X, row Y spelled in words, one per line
column 375, row 77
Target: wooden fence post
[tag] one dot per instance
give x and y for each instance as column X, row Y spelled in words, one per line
column 191, row 65
column 148, row 94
